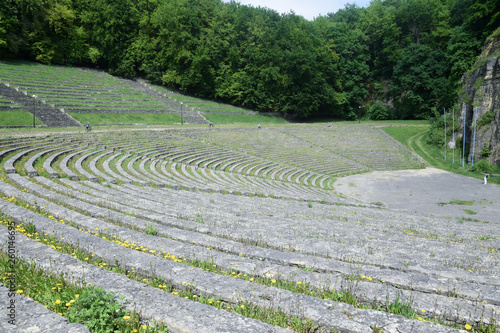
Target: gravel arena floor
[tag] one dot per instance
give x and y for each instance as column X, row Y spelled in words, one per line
column 425, row 191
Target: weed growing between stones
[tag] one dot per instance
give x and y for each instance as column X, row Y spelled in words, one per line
column 400, row 307
column 151, row 230
column 79, row 302
column 457, row 202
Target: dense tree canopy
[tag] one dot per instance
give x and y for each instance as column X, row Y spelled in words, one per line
column 260, row 59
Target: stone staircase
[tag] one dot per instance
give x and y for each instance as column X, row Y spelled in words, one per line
column 189, row 116
column 48, row 115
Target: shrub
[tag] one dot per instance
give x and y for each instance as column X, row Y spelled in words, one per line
column 486, row 119
column 378, row 112
column 483, row 166
column 485, row 152
column 97, row 310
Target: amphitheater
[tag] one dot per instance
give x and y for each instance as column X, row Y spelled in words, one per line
column 241, row 217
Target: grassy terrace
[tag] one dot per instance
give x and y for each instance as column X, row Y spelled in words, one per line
column 12, row 114
column 275, row 247
column 197, row 104
column 76, row 89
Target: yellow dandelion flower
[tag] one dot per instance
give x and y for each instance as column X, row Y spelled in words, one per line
column 468, row 327
column 126, row 317
column 273, row 281
column 57, row 302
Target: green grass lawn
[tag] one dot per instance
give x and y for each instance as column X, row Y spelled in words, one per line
column 126, row 118
column 234, row 118
column 17, row 118
column 414, row 138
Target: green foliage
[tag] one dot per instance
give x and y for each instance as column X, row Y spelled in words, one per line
column 461, row 51
column 97, row 310
column 485, row 152
column 400, row 307
column 483, row 166
column 415, row 139
column 378, row 112
column 420, row 84
column 151, row 230
column 486, row 119
column 351, row 45
column 436, row 132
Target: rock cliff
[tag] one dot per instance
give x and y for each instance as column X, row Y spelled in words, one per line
column 481, row 100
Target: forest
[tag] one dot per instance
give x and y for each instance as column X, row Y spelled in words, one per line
column 343, row 65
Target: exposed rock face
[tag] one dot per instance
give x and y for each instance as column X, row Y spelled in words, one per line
column 481, row 99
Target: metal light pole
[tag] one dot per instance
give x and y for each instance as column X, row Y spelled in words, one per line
column 453, row 159
column 359, row 115
column 182, row 121
column 445, row 134
column 463, row 137
column 474, row 140
column 34, row 109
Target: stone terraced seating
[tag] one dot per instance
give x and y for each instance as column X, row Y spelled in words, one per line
column 29, row 164
column 81, row 170
column 111, row 173
column 158, row 182
column 294, row 259
column 63, row 165
column 47, row 164
column 125, row 176
column 96, row 172
column 253, row 216
column 175, row 312
column 9, row 164
column 144, row 181
column 201, row 279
